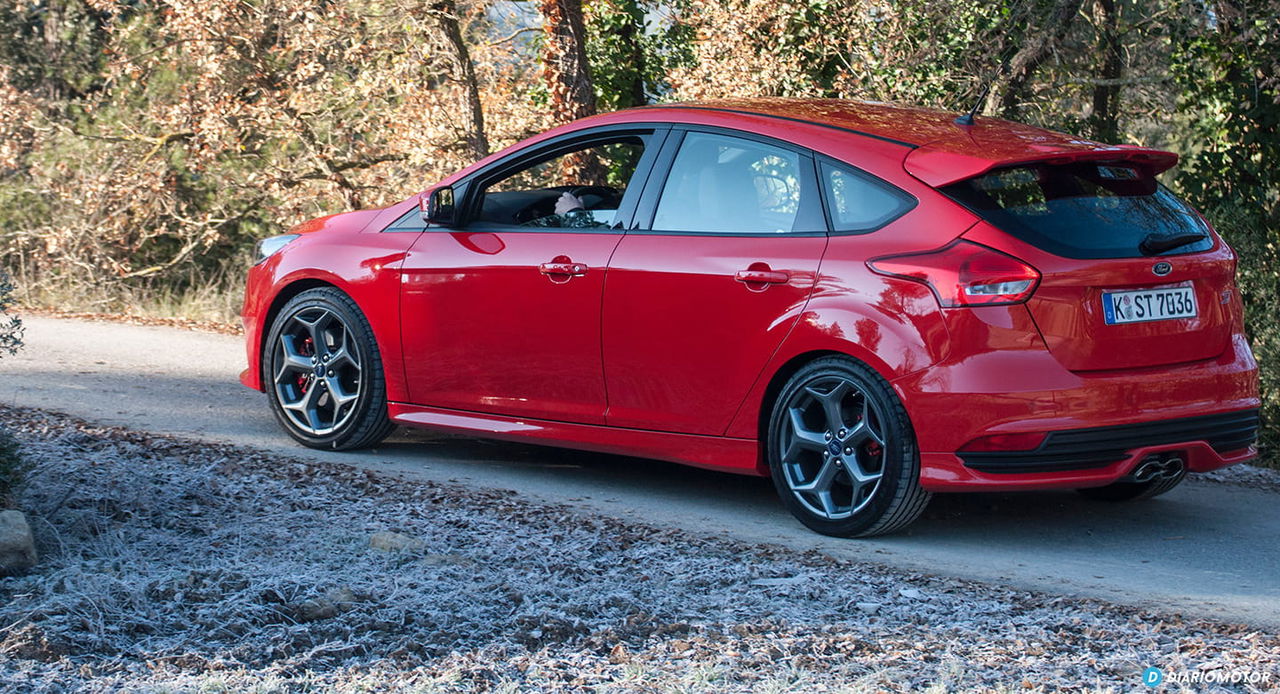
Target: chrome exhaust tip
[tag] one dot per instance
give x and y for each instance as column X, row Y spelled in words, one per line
column 1157, row 468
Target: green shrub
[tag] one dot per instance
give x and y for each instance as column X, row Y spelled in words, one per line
column 1258, row 275
column 12, row 467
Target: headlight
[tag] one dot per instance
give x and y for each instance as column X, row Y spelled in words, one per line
column 270, row 246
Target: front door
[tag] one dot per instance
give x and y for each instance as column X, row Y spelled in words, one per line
column 502, row 315
column 701, row 296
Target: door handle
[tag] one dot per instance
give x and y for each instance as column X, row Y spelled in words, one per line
column 763, row 276
column 571, row 269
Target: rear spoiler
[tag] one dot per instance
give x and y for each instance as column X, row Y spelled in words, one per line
column 938, row 164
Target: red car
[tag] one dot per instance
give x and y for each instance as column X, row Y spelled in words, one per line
column 866, row 302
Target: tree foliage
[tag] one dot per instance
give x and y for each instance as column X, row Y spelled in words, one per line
column 150, row 141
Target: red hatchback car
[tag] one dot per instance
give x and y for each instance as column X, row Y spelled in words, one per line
column 866, row 302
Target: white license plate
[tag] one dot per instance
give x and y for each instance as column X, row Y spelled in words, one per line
column 1148, row 305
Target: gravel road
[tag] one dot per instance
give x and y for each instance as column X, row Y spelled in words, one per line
column 172, row 566
column 1207, row 549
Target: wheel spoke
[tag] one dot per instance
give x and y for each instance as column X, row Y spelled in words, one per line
column 828, row 503
column 308, row 405
column 802, row 438
column 343, row 355
column 341, row 398
column 822, row 481
column 831, row 401
column 859, row 474
column 293, row 360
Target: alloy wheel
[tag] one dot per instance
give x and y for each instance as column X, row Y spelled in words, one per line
column 832, row 447
column 316, row 371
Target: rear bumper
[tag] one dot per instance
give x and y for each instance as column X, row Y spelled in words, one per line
column 1226, row 434
column 1101, row 425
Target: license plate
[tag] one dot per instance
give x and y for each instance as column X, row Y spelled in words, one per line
column 1148, row 305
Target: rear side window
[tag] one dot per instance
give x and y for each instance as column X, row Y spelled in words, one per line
column 724, row 184
column 1085, row 210
column 859, row 203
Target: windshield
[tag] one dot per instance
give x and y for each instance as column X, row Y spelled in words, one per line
column 1085, row 210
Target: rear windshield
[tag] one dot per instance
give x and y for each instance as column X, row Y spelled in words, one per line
column 1085, row 210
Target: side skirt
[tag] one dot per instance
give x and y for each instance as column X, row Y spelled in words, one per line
column 739, row 456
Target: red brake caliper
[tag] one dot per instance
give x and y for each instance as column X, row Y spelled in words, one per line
column 308, row 349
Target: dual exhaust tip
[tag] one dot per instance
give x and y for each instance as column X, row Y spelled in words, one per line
column 1157, row 468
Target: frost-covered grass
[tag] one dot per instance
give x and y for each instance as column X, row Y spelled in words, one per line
column 176, row 566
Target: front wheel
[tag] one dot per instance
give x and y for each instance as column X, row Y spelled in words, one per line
column 324, row 374
column 842, row 452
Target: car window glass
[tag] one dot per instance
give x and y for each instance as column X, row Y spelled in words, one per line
column 579, row 189
column 728, row 184
column 409, row 221
column 1084, row 209
column 858, row 202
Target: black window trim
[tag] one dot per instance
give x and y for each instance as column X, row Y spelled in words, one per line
column 475, row 182
column 911, row 201
column 642, row 222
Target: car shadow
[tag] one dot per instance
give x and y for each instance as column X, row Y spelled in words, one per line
column 961, row 517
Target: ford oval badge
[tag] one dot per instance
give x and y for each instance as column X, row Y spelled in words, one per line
column 1161, row 269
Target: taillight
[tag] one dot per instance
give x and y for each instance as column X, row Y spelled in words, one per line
column 964, row 274
column 1005, row 442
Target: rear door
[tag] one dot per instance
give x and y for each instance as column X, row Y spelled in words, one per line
column 699, row 296
column 1132, row 276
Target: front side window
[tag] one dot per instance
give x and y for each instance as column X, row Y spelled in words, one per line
column 580, row 189
column 732, row 185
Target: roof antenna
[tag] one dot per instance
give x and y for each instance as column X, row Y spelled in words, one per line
column 967, row 119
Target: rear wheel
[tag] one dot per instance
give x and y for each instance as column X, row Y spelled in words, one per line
column 324, row 374
column 842, row 452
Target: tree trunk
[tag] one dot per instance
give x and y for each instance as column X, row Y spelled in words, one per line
column 568, row 80
column 1010, row 89
column 564, row 68
column 446, row 12
column 1106, row 93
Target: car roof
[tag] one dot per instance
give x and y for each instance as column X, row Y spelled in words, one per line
column 943, row 151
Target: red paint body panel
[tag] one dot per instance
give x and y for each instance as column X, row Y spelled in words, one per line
column 658, row 351
column 683, row 339
column 1067, row 306
column 334, row 251
column 487, row 331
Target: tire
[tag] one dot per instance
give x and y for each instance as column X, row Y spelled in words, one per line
column 1132, row 491
column 333, row 397
column 869, row 484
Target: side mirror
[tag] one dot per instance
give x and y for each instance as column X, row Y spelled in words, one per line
column 438, row 207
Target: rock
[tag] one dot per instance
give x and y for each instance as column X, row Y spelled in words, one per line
column 388, row 541
column 911, row 594
column 17, row 546
column 334, row 602
column 868, row 607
